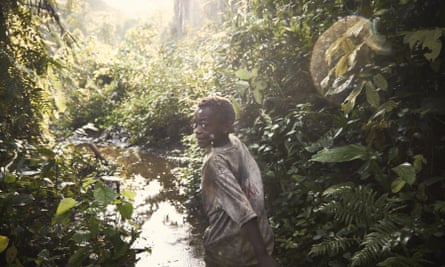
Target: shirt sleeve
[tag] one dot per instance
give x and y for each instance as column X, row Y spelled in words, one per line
column 228, row 192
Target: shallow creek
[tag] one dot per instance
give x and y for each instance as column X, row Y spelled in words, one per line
column 158, row 206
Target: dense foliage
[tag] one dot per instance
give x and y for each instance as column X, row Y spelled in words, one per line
column 340, row 101
column 353, row 178
column 54, row 208
column 356, row 180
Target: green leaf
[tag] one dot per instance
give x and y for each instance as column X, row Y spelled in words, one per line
column 242, row 87
column 65, row 205
column 4, row 241
column 104, row 194
column 126, row 210
column 10, row 178
column 128, row 194
column 258, row 96
column 333, row 50
column 342, row 66
column 81, row 236
column 11, row 254
column 347, row 46
column 406, row 172
column 419, row 160
column 244, row 74
column 426, row 39
column 47, row 153
column 433, row 42
column 259, row 84
column 237, row 108
column 380, row 81
column 349, row 102
column 78, row 257
column 397, row 185
column 88, row 181
column 341, row 154
column 372, row 96
column 337, row 89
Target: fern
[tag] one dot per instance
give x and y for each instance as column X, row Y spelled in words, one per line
column 386, row 235
column 333, row 246
column 401, row 261
column 371, row 222
column 355, row 205
column 376, row 244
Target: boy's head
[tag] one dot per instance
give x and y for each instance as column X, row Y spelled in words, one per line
column 214, row 118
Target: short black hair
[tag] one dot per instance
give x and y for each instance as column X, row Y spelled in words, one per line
column 222, row 107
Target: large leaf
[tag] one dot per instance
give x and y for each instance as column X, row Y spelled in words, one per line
column 426, row 39
column 349, row 102
column 11, row 255
column 372, row 96
column 4, row 241
column 342, row 66
column 397, row 185
column 333, row 50
column 244, row 74
column 341, row 154
column 406, row 172
column 128, row 194
column 380, row 81
column 65, row 205
column 10, row 178
column 242, row 87
column 258, row 96
column 339, row 88
column 126, row 210
column 104, row 194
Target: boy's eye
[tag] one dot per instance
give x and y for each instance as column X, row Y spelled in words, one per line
column 200, row 124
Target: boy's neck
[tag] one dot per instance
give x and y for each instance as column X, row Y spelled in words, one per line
column 222, row 141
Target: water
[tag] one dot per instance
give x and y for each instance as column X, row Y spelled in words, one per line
column 158, row 205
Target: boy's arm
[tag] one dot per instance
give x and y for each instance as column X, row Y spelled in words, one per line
column 251, row 230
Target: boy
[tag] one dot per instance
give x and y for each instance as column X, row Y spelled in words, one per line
column 238, row 234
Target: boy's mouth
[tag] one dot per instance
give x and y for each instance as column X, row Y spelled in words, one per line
column 202, row 141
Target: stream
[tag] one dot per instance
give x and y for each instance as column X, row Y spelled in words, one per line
column 158, row 206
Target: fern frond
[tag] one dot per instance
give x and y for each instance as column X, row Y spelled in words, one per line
column 375, row 245
column 385, row 235
column 333, row 246
column 355, row 205
column 402, row 261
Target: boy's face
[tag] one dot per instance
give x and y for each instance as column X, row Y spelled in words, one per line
column 207, row 127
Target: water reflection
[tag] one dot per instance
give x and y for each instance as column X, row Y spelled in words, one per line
column 158, row 206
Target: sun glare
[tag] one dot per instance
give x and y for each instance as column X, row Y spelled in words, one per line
column 142, row 7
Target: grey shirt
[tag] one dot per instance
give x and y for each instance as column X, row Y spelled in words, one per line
column 232, row 191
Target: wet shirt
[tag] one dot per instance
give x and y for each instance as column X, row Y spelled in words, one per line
column 232, row 192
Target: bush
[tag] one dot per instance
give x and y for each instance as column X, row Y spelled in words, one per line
column 54, row 210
